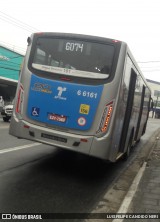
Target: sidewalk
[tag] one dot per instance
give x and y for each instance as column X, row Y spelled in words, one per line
column 147, row 197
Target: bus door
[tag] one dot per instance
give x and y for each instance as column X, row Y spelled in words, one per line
column 140, row 114
column 128, row 111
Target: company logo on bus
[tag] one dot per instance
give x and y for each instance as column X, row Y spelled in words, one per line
column 61, row 91
column 40, row 87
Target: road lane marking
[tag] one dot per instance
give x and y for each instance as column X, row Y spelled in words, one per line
column 130, row 194
column 19, row 148
column 4, row 127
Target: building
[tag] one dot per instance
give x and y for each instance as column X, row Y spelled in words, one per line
column 10, row 63
column 155, row 90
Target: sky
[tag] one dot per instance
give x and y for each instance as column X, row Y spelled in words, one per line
column 136, row 22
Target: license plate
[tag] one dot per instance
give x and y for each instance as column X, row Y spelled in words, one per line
column 51, row 137
column 58, row 118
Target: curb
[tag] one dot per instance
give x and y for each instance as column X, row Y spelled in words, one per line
column 154, row 145
column 115, row 196
column 133, row 188
column 130, row 194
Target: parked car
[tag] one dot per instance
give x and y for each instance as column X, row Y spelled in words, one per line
column 7, row 111
column 1, row 103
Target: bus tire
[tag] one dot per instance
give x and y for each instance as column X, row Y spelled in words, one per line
column 137, row 141
column 127, row 153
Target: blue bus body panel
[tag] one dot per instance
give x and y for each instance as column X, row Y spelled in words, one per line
column 63, row 104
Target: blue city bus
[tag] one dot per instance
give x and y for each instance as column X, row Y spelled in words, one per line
column 81, row 93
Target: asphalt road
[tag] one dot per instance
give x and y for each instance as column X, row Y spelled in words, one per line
column 44, row 179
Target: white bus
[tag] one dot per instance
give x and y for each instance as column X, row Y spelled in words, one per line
column 81, row 93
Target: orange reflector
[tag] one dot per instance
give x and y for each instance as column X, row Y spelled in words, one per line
column 84, row 140
column 107, row 113
column 25, row 126
column 104, row 128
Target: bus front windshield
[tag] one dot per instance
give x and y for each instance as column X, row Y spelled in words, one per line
column 73, row 57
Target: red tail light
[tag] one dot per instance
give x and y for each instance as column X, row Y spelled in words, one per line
column 19, row 103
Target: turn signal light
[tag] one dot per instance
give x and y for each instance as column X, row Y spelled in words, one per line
column 106, row 117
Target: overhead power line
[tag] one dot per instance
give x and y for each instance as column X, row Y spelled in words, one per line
column 18, row 23
column 151, row 67
column 148, row 62
column 153, row 70
column 13, row 48
column 7, row 44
